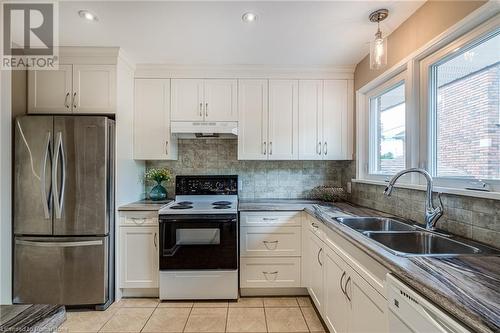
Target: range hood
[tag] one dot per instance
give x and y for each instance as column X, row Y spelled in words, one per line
column 204, row 129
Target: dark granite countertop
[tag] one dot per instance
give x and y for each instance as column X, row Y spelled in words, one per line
column 145, row 205
column 31, row 318
column 467, row 287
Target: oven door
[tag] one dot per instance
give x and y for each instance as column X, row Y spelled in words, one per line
column 192, row 242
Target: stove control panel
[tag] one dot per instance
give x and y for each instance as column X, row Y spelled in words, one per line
column 206, row 185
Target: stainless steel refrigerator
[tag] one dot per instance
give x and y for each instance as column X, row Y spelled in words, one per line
column 64, row 210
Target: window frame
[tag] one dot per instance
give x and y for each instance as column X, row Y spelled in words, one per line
column 366, row 135
column 427, row 101
column 482, row 20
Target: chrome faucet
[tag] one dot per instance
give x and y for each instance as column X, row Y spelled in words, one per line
column 432, row 214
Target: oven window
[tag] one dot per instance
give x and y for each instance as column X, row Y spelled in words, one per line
column 194, row 236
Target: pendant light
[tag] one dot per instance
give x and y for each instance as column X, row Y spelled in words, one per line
column 378, row 47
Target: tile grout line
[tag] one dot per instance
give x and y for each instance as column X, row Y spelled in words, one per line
column 146, row 322
column 227, row 317
column 187, row 319
column 304, row 317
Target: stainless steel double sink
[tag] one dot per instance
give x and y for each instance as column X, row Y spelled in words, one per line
column 407, row 240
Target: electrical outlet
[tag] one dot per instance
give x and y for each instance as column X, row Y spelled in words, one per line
column 348, row 187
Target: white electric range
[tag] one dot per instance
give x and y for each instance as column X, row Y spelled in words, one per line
column 199, row 239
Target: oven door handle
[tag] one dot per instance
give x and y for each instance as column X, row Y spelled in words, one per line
column 168, row 220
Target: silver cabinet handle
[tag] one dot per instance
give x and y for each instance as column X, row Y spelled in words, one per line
column 325, row 148
column 201, row 109
column 137, row 219
column 345, row 288
column 206, row 109
column 341, row 285
column 73, row 101
column 66, row 101
column 166, row 147
column 43, row 185
column 271, row 245
column 319, row 148
column 59, row 192
column 269, row 219
column 59, row 244
column 274, row 274
column 270, row 147
column 314, row 225
column 265, row 148
column 319, row 253
column 154, row 240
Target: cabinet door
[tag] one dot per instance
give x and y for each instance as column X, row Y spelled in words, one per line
column 139, row 257
column 366, row 303
column 221, row 100
column 94, row 88
column 283, row 120
column 335, row 119
column 152, row 139
column 316, row 270
column 252, row 119
column 337, row 306
column 187, row 100
column 310, row 125
column 50, row 91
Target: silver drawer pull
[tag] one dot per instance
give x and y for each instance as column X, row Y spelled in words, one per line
column 273, row 276
column 271, row 245
column 269, row 218
column 314, row 225
column 59, row 244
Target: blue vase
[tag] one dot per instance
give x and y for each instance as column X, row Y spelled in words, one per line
column 158, row 192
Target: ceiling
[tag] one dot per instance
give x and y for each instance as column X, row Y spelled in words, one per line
column 327, row 33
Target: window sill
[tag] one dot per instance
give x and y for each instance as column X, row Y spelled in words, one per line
column 447, row 190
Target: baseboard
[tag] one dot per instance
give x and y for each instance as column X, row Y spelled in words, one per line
column 140, row 292
column 273, row 292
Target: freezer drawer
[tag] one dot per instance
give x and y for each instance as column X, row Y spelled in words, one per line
column 68, row 270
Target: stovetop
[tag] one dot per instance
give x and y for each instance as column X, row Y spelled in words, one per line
column 202, row 204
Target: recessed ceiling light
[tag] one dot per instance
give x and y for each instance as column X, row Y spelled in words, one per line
column 249, row 17
column 87, row 15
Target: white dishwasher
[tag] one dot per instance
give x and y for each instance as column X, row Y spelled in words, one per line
column 412, row 313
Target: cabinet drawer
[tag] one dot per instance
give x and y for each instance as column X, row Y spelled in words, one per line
column 138, row 218
column 270, row 241
column 270, row 272
column 256, row 219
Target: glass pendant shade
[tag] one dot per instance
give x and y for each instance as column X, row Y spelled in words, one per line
column 378, row 51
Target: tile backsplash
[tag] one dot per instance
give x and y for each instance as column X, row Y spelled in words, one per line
column 469, row 217
column 258, row 179
column 473, row 218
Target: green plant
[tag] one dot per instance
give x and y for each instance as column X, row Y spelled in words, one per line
column 158, row 175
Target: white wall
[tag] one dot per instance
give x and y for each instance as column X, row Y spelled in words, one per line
column 5, row 188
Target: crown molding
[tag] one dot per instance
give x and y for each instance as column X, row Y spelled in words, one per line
column 164, row 71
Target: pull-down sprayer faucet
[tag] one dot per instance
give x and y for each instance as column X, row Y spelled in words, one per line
column 432, row 214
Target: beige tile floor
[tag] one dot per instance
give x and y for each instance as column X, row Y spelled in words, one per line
column 248, row 314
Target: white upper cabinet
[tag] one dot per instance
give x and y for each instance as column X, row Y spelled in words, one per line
column 50, row 91
column 94, row 88
column 252, row 119
column 204, row 100
column 187, row 100
column 310, row 125
column 221, row 100
column 325, row 119
column 283, row 120
column 336, row 121
column 83, row 89
column 152, row 139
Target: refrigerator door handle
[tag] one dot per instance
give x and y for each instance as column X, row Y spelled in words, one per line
column 45, row 200
column 59, row 193
column 59, row 244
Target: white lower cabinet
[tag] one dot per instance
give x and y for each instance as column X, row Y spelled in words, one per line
column 270, row 249
column 139, row 257
column 315, row 259
column 346, row 301
column 281, row 272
